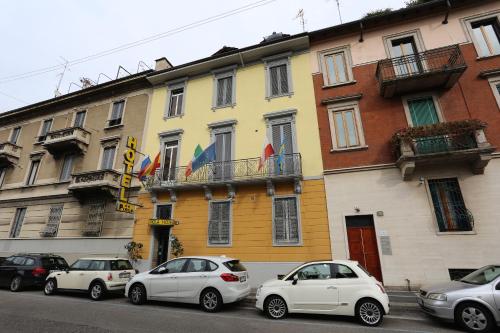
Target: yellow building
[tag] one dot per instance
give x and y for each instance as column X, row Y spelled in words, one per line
column 271, row 217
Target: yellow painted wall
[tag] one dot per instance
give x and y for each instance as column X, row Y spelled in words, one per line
column 251, row 224
column 250, row 107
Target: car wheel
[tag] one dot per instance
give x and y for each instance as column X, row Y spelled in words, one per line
column 16, row 283
column 474, row 318
column 50, row 287
column 97, row 291
column 275, row 307
column 369, row 312
column 137, row 294
column 211, row 300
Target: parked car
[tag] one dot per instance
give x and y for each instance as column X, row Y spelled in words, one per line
column 96, row 276
column 339, row 287
column 208, row 281
column 29, row 269
column 472, row 302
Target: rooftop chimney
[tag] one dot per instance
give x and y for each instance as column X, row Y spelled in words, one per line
column 162, row 64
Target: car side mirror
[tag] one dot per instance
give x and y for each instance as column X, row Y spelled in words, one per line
column 295, row 280
column 498, row 286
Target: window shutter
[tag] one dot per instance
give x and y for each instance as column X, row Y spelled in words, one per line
column 279, row 221
column 224, row 224
column 229, row 90
column 276, row 129
column 220, row 92
column 287, row 134
column 213, row 224
column 219, row 224
column 293, row 221
column 274, row 81
column 423, row 111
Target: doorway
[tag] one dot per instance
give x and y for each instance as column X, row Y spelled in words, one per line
column 162, row 240
column 362, row 241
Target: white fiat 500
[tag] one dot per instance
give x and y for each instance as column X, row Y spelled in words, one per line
column 339, row 287
column 97, row 276
column 208, row 281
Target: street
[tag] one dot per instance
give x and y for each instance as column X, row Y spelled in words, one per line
column 32, row 311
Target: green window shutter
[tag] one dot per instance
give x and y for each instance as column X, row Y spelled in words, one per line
column 423, row 111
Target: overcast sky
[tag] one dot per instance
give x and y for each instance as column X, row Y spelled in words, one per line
column 36, row 34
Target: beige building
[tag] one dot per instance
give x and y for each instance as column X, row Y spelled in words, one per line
column 60, row 169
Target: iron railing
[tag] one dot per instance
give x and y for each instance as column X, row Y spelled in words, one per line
column 440, row 144
column 442, row 59
column 228, row 171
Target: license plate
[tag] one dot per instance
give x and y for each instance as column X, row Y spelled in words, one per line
column 243, row 278
column 124, row 275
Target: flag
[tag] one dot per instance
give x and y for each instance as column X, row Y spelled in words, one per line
column 208, row 155
column 197, row 152
column 144, row 165
column 281, row 156
column 267, row 151
column 154, row 166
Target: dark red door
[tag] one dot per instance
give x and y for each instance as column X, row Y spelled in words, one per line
column 363, row 243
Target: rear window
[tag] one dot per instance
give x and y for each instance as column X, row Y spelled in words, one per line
column 235, row 266
column 120, row 265
column 54, row 263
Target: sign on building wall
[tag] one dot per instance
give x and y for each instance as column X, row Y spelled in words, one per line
column 163, row 222
column 123, row 204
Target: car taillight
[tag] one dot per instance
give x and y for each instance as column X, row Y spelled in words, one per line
column 38, row 271
column 110, row 277
column 228, row 277
column 381, row 287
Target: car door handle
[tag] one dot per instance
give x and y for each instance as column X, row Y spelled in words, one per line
column 331, row 287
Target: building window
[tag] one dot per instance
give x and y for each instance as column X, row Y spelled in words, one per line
column 116, row 113
column 223, row 153
column 336, row 66
column 176, row 102
column 422, row 111
column 345, row 126
column 449, row 206
column 80, row 119
column 18, row 222
column 495, row 87
column 33, row 171
column 219, row 224
column 95, row 217
column 108, row 158
column 67, row 167
column 170, row 160
column 486, row 34
column 55, row 214
column 46, row 125
column 163, row 211
column 14, row 136
column 3, row 170
column 286, row 230
column 224, row 89
column 278, row 77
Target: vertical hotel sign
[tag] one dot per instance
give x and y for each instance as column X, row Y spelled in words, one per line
column 123, row 204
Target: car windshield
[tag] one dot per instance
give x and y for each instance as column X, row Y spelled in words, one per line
column 483, row 275
column 235, row 266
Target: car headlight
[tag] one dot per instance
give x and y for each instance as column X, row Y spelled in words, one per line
column 437, row 297
column 258, row 290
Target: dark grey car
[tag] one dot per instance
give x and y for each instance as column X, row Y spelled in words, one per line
column 472, row 302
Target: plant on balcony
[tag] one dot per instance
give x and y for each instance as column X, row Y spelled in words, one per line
column 409, row 134
column 176, row 247
column 134, row 250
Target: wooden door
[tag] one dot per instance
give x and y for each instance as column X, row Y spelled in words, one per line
column 363, row 243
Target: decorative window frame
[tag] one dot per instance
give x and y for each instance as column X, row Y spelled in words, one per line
column 281, row 117
column 417, row 37
column 110, row 111
column 299, row 221
column 224, row 127
column 467, row 26
column 173, row 85
column 73, row 118
column 163, row 203
column 494, row 82
column 420, row 95
column 229, row 71
column 231, row 220
column 18, row 136
column 346, row 49
column 169, row 136
column 344, row 106
column 278, row 60
column 105, row 143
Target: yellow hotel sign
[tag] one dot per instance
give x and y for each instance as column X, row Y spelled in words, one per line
column 163, row 222
column 123, row 205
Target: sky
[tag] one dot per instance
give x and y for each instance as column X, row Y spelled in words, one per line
column 44, row 34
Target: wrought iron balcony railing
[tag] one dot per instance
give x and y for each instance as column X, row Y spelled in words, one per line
column 244, row 170
column 443, row 144
column 423, row 70
column 455, row 218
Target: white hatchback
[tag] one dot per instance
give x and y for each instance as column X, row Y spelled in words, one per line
column 339, row 287
column 208, row 281
column 97, row 276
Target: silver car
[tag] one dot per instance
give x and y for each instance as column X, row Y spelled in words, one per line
column 472, row 302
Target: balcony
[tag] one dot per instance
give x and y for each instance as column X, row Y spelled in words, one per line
column 450, row 143
column 9, row 154
column 436, row 68
column 95, row 184
column 73, row 139
column 229, row 173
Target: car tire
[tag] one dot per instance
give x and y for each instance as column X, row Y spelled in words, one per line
column 369, row 312
column 275, row 307
column 16, row 283
column 137, row 294
column 211, row 300
column 97, row 291
column 50, row 287
column 474, row 317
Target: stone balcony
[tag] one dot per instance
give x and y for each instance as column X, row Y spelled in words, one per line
column 431, row 69
column 9, row 154
column 73, row 139
column 434, row 145
column 92, row 184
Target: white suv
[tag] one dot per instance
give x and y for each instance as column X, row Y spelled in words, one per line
column 339, row 287
column 97, row 276
column 208, row 281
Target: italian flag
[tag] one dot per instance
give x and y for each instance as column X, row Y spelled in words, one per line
column 267, row 151
column 189, row 168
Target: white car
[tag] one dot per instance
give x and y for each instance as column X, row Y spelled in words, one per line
column 97, row 276
column 208, row 281
column 339, row 287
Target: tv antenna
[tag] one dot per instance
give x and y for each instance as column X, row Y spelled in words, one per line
column 300, row 16
column 338, row 9
column 57, row 93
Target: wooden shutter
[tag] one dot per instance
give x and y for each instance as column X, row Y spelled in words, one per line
column 279, row 221
column 274, row 81
column 286, row 221
column 283, row 79
column 229, row 90
column 423, row 111
column 219, row 225
column 293, row 221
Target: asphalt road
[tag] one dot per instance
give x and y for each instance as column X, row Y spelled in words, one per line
column 31, row 311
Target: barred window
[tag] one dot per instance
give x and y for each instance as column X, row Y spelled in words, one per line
column 55, row 214
column 95, row 218
column 286, row 221
column 219, row 224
